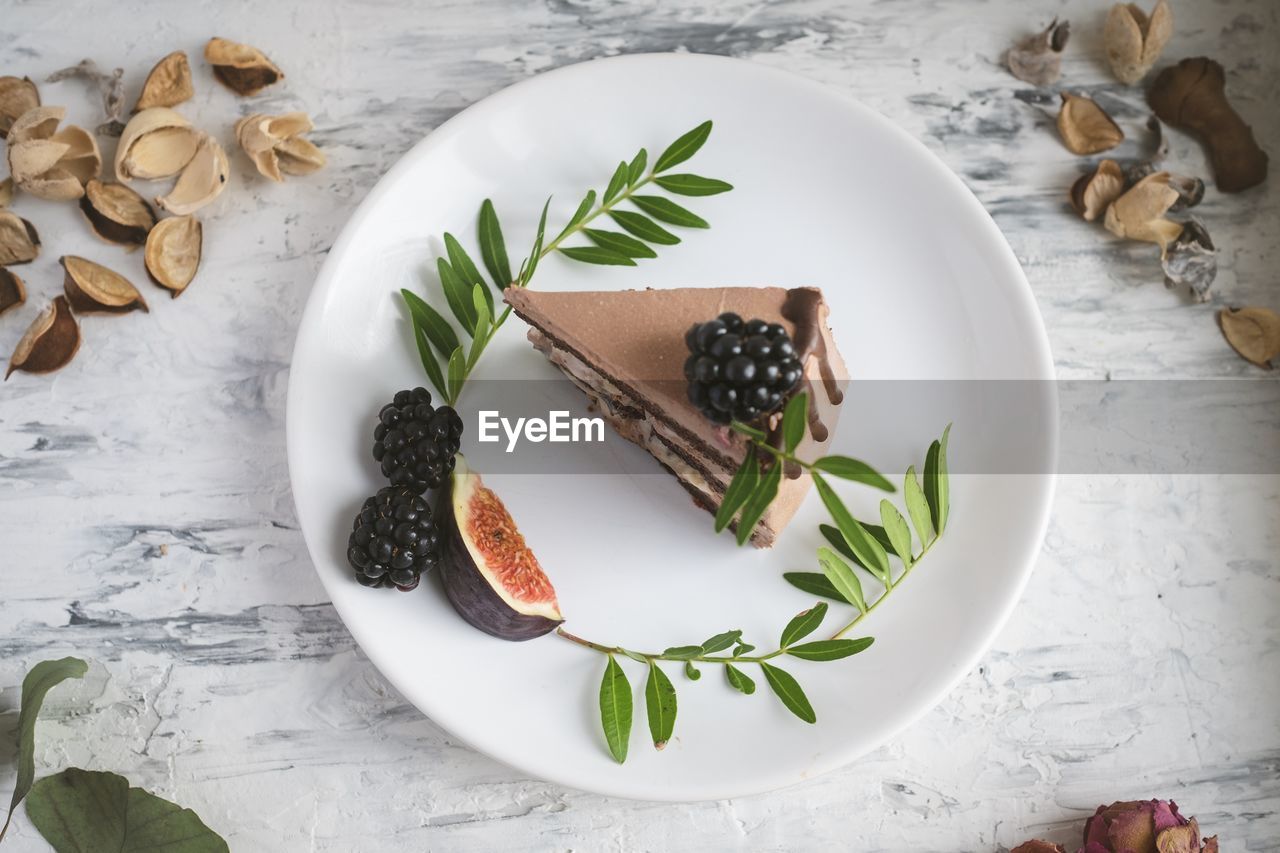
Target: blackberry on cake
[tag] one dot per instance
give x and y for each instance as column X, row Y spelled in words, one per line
column 739, row 370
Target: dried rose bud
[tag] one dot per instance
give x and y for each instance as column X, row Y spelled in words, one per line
column 243, row 69
column 49, row 343
column 1149, row 825
column 1085, row 127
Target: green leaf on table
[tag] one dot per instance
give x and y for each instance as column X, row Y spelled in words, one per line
column 666, row 210
column 766, row 490
column 615, row 710
column 458, row 295
column 865, row 546
column 794, row 418
column 687, row 184
column 635, row 170
column 457, row 370
column 429, row 363
column 898, row 531
column 740, row 489
column 643, row 227
column 830, row 649
column 596, row 255
column 660, row 703
column 842, row 577
column 584, row 207
column 848, row 468
column 81, row 810
column 617, row 183
column 536, row 254
column 42, row 678
column 814, row 584
column 739, row 680
column 691, row 672
column 461, row 261
column 803, row 624
column 937, row 483
column 434, row 325
column 720, row 642
column 917, row 506
column 623, row 244
column 682, row 652
column 788, row 690
column 746, row 429
column 683, row 148
column 493, row 249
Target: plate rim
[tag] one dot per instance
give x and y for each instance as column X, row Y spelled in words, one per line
column 1026, row 305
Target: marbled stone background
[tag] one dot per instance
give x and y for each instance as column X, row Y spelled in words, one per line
column 146, row 520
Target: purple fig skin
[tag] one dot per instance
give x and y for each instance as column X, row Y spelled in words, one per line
column 470, row 593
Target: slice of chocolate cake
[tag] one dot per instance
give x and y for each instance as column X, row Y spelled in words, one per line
column 627, row 350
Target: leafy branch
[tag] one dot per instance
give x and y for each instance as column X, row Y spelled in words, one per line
column 447, row 360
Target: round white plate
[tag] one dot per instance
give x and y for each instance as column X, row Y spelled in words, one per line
column 921, row 286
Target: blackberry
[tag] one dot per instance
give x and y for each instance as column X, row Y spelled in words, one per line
column 415, row 442
column 393, row 540
column 738, row 370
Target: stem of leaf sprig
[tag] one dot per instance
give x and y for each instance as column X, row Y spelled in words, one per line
column 473, row 305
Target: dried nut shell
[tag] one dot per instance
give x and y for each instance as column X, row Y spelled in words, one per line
column 19, row 242
column 17, row 96
column 156, row 143
column 1139, row 213
column 168, row 84
column 116, row 213
column 1037, row 59
column 12, row 291
column 1085, row 127
column 201, row 181
column 1094, row 192
column 49, row 343
column 1252, row 332
column 1190, row 191
column 92, row 288
column 243, row 69
column 47, row 162
column 173, row 252
column 275, row 144
column 1134, row 41
column 6, row 192
column 1191, row 260
column 82, row 158
column 36, row 123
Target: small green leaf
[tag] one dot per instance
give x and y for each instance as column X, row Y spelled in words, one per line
column 682, row 652
column 739, row 680
column 660, row 702
column 429, row 363
column 690, row 671
column 899, row 533
column 493, row 249
column 623, row 244
column 42, row 678
column 937, row 482
column 868, row 550
column 536, row 254
column 683, row 148
column 930, row 482
column 584, row 207
column 917, row 507
column 643, row 227
column 788, row 690
column 435, row 326
column 794, row 419
column 635, row 171
column 596, row 255
column 665, row 210
column 457, row 369
column 740, row 489
column 766, row 490
column 847, row 468
column 742, row 649
column 803, row 624
column 842, row 577
column 461, row 261
column 832, row 534
column 814, row 584
column 686, row 184
column 617, row 183
column 81, row 810
column 635, row 656
column 745, row 429
column 482, row 300
column 458, row 295
column 615, row 710
column 720, row 642
column 830, row 649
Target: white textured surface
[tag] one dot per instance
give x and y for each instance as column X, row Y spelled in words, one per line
column 148, row 524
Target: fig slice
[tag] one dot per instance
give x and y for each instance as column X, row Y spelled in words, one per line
column 173, row 252
column 93, row 289
column 489, row 574
column 19, row 242
column 168, row 84
column 116, row 213
column 49, row 343
column 12, row 291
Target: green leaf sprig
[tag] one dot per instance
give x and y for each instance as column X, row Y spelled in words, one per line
column 726, row 649
column 450, row 354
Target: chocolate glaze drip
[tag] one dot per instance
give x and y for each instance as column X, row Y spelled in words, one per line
column 803, row 307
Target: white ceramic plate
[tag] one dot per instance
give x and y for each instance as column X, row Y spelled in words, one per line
column 921, row 286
